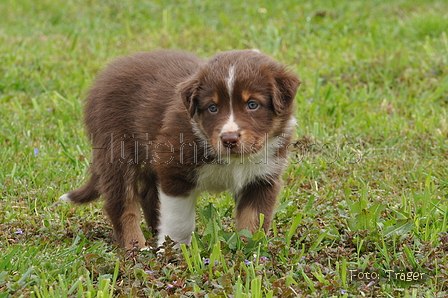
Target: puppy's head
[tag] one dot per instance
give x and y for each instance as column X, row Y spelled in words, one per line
column 239, row 100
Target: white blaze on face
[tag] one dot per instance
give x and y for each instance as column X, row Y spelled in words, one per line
column 230, row 81
column 230, row 125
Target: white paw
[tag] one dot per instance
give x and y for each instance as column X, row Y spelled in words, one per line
column 160, row 252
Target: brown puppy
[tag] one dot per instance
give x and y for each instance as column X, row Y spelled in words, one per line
column 166, row 126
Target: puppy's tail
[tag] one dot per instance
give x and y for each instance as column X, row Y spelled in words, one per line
column 85, row 194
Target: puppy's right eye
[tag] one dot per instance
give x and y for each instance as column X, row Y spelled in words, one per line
column 213, row 108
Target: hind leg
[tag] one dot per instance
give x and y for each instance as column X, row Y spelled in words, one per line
column 123, row 209
column 150, row 202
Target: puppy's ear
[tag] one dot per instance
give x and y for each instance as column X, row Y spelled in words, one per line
column 188, row 91
column 285, row 89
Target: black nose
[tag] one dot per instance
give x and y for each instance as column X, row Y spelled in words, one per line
column 230, row 139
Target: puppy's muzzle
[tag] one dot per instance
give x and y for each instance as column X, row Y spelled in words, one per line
column 230, row 139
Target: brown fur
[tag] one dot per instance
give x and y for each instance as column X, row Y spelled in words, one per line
column 139, row 115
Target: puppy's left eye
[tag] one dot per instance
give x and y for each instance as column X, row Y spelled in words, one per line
column 252, row 105
column 213, row 108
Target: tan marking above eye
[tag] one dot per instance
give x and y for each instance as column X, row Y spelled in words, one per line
column 246, row 95
column 215, row 98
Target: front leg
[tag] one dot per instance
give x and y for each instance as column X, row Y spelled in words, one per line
column 177, row 218
column 259, row 196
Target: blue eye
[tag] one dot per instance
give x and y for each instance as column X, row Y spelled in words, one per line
column 213, row 108
column 252, row 105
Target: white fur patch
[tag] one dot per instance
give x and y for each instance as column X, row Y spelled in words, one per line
column 230, row 81
column 233, row 173
column 230, row 125
column 65, row 198
column 197, row 130
column 177, row 217
column 292, row 122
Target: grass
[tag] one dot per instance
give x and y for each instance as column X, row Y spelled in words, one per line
column 365, row 194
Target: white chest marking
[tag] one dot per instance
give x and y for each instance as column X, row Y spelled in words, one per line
column 235, row 172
